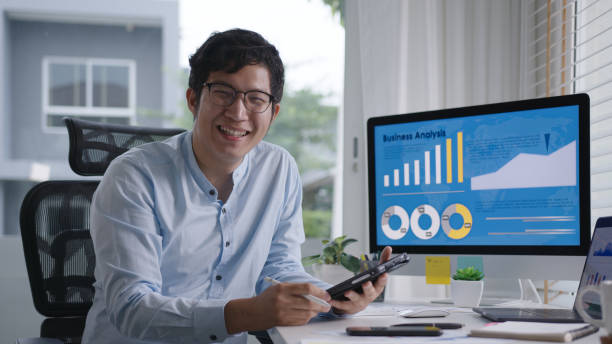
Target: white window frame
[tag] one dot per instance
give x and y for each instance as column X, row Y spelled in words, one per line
column 89, row 109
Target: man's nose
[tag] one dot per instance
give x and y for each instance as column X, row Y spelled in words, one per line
column 237, row 110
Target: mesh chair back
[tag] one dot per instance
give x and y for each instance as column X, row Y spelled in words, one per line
column 58, row 250
column 94, row 145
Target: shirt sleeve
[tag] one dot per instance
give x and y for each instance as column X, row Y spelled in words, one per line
column 284, row 259
column 128, row 244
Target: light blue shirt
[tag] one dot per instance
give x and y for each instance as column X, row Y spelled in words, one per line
column 170, row 255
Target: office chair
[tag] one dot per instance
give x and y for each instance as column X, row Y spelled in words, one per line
column 54, row 221
column 94, row 145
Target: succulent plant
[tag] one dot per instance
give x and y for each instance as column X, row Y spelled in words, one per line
column 468, row 274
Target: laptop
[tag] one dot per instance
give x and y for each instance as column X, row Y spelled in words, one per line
column 597, row 267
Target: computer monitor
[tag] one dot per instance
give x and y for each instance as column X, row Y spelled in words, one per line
column 506, row 181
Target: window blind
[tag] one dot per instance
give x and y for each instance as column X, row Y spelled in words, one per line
column 593, row 75
column 568, row 49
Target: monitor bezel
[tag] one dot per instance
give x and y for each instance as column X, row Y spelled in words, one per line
column 582, row 100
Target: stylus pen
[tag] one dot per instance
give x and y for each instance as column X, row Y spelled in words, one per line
column 308, row 296
column 443, row 326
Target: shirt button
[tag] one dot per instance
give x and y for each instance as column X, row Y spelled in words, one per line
column 213, row 337
column 211, row 192
column 223, row 210
column 226, row 243
column 218, row 277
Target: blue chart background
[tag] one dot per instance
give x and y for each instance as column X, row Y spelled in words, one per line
column 486, row 149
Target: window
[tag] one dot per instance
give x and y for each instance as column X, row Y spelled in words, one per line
column 100, row 90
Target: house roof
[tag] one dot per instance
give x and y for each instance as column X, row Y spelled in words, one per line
column 312, row 180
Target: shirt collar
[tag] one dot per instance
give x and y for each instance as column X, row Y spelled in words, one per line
column 237, row 176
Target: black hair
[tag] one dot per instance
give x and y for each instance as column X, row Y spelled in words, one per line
column 231, row 50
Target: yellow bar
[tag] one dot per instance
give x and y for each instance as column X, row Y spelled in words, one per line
column 460, row 157
column 449, row 161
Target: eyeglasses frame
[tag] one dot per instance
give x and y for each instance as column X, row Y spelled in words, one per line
column 244, row 93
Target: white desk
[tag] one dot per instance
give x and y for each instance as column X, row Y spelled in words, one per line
column 333, row 330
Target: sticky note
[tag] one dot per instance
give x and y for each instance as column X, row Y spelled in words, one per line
column 467, row 261
column 437, row 270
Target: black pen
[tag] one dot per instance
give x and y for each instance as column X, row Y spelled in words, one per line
column 443, row 326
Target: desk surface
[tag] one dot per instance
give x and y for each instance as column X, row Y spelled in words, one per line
column 332, row 331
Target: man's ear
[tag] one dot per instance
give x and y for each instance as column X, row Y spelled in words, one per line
column 275, row 110
column 192, row 101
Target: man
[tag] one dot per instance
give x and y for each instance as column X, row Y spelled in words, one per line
column 186, row 230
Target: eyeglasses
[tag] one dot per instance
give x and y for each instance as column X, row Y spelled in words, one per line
column 225, row 95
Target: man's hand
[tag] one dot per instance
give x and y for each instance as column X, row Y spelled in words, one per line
column 357, row 302
column 279, row 305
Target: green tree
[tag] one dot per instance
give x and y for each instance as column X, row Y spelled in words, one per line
column 317, row 223
column 307, row 129
column 337, row 7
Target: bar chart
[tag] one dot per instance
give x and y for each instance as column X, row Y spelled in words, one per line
column 422, row 168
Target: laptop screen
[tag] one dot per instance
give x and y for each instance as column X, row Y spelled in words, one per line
column 598, row 266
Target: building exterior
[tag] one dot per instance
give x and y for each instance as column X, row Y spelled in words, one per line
column 114, row 61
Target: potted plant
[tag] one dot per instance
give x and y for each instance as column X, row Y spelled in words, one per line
column 333, row 265
column 467, row 287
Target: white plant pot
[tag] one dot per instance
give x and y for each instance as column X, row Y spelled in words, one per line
column 331, row 273
column 466, row 293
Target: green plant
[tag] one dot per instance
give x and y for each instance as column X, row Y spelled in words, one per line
column 468, row 274
column 333, row 253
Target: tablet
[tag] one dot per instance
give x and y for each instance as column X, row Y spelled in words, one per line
column 337, row 292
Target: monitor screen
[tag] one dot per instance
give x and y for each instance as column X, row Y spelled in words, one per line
column 505, row 178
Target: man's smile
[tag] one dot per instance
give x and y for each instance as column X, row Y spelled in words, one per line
column 232, row 132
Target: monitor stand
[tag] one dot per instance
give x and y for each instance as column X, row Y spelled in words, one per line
column 486, row 301
column 529, row 291
column 496, row 296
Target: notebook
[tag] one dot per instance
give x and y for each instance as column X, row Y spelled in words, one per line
column 533, row 331
column 597, row 267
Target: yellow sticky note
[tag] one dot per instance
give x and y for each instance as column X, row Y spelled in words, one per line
column 437, row 270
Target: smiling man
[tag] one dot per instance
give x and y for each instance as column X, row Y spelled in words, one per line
column 185, row 231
